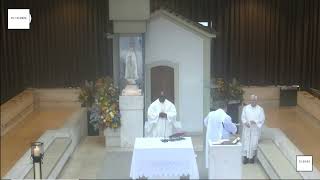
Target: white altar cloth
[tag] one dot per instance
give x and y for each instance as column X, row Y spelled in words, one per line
column 154, row 159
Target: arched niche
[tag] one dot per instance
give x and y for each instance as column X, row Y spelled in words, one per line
column 162, row 75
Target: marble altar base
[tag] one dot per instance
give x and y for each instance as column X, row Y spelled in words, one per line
column 225, row 161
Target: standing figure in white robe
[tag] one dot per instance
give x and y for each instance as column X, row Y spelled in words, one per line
column 131, row 72
column 219, row 126
column 252, row 119
column 161, row 118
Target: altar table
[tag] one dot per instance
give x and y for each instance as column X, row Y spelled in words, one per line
column 155, row 159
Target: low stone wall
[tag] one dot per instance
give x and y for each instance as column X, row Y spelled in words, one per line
column 76, row 125
column 16, row 109
column 20, row 106
column 74, row 129
column 267, row 95
column 288, row 149
column 24, row 164
column 29, row 100
column 309, row 103
column 56, row 98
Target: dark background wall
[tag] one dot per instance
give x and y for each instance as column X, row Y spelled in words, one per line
column 259, row 42
column 65, row 45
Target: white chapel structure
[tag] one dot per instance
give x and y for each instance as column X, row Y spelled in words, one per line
column 48, row 131
column 176, row 55
column 180, row 49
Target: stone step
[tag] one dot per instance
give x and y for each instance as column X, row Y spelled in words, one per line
column 112, row 137
column 276, row 165
column 51, row 157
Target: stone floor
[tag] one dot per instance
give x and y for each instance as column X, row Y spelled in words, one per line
column 86, row 160
column 116, row 165
column 102, row 164
column 16, row 142
column 301, row 128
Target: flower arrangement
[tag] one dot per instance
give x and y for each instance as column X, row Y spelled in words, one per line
column 86, row 96
column 219, row 92
column 104, row 108
column 224, row 92
column 235, row 91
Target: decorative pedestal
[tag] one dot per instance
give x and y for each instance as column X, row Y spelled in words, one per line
column 131, row 90
column 131, row 109
column 225, row 161
column 112, row 137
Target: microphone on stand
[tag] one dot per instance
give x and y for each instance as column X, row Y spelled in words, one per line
column 164, row 134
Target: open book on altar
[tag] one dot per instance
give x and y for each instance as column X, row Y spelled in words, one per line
column 225, row 141
column 175, row 137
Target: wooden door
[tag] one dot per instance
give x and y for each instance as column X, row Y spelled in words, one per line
column 162, row 79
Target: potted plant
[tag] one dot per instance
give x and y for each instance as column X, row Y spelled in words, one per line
column 87, row 99
column 218, row 93
column 102, row 100
column 235, row 99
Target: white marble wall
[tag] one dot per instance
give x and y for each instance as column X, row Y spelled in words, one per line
column 225, row 161
column 309, row 103
column 168, row 42
column 131, row 109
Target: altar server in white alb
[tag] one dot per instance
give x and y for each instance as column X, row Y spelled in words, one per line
column 161, row 118
column 252, row 118
column 219, row 126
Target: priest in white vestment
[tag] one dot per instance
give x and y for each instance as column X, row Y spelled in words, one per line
column 161, row 118
column 252, row 119
column 219, row 126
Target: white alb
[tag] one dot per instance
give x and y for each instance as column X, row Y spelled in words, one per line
column 251, row 135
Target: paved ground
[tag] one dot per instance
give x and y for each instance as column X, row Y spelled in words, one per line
column 86, row 160
column 91, row 160
column 116, row 165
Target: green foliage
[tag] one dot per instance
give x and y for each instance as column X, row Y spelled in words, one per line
column 86, row 96
column 223, row 92
column 235, row 91
column 102, row 99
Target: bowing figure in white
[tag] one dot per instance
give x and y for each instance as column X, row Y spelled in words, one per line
column 161, row 118
column 219, row 126
column 252, row 118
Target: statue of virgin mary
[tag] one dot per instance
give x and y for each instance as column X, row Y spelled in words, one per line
column 131, row 71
